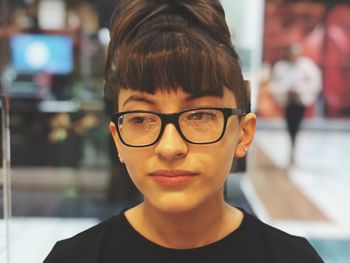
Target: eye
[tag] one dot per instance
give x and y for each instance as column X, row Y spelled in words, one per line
column 196, row 116
column 137, row 120
column 201, row 115
column 142, row 119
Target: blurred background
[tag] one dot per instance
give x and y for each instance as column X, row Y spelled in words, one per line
column 59, row 170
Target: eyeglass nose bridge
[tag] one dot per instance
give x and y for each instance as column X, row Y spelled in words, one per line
column 172, row 118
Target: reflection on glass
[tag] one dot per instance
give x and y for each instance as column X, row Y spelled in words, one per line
column 5, row 183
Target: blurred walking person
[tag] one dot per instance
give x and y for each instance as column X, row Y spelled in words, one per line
column 295, row 84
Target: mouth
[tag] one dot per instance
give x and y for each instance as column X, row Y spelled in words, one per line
column 173, row 178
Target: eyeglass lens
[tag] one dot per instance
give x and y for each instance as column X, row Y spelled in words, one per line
column 197, row 126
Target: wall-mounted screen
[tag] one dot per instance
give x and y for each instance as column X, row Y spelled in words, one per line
column 32, row 53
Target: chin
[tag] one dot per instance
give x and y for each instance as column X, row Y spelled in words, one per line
column 175, row 204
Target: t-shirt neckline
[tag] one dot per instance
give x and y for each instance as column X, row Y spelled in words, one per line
column 221, row 243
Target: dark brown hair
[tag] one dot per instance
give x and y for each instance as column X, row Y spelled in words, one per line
column 164, row 44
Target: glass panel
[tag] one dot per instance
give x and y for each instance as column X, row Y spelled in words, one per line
column 5, row 178
column 5, row 182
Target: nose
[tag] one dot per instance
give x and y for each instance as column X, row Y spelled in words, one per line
column 171, row 146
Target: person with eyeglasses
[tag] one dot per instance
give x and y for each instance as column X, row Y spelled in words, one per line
column 182, row 115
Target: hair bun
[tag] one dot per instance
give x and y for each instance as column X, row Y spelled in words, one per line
column 205, row 15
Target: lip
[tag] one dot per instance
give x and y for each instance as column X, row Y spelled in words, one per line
column 173, row 177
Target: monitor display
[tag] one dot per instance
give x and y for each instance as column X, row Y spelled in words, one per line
column 33, row 53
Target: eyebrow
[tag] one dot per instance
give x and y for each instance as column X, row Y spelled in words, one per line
column 140, row 98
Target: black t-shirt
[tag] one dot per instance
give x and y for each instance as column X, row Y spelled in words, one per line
column 115, row 240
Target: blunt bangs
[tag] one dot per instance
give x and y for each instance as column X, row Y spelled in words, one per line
column 168, row 60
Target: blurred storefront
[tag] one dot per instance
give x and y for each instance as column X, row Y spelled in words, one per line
column 321, row 28
column 53, row 76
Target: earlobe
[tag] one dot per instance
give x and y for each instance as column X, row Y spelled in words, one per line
column 248, row 127
column 116, row 140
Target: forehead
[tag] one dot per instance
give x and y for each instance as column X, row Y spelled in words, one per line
column 175, row 98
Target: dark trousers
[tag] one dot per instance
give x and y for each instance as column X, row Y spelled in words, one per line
column 294, row 114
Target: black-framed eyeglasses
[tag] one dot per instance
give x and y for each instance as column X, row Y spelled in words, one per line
column 198, row 125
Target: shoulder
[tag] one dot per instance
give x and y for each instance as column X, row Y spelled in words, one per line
column 85, row 246
column 280, row 65
column 281, row 246
column 306, row 63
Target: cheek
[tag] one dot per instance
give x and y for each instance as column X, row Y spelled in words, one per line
column 227, row 145
column 222, row 159
column 135, row 160
column 217, row 158
column 135, row 173
column 224, row 151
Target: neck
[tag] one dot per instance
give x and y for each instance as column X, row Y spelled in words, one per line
column 203, row 225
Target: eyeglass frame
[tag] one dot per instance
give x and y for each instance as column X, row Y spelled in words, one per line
column 173, row 118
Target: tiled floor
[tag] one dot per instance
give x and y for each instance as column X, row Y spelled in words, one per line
column 31, row 239
column 309, row 199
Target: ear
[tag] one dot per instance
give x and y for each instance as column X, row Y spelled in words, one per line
column 116, row 139
column 247, row 132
